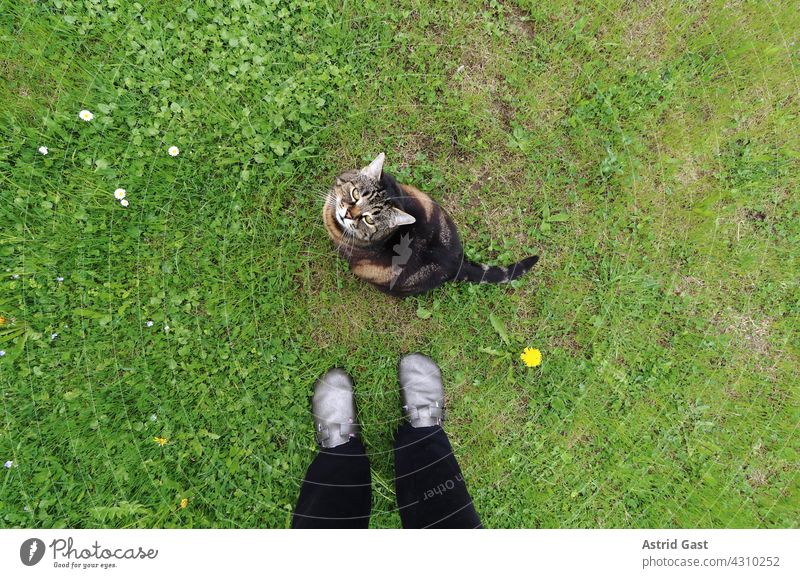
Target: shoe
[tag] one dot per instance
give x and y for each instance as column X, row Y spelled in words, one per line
column 334, row 409
column 421, row 390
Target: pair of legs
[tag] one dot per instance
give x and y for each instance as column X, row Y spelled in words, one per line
column 431, row 493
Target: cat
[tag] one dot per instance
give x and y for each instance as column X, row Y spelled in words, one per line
column 397, row 238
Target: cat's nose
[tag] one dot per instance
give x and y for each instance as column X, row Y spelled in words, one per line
column 352, row 213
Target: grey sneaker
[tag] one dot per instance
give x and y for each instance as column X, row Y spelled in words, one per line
column 421, row 390
column 334, row 409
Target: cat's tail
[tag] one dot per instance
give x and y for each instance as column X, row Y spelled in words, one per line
column 478, row 273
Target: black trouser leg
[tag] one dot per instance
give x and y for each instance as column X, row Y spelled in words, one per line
column 431, row 492
column 337, row 491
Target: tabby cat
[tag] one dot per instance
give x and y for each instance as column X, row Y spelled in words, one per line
column 397, row 238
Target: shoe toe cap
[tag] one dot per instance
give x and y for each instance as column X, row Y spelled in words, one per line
column 420, row 380
column 333, row 398
column 415, row 364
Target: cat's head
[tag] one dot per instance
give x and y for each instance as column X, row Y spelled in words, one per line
column 362, row 206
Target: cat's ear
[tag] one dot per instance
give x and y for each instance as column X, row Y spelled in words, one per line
column 339, row 182
column 401, row 218
column 375, row 168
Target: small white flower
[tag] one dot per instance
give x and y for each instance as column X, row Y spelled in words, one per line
column 173, row 151
column 9, row 463
column 60, row 279
column 86, row 115
column 15, row 276
column 53, row 336
column 124, row 202
column 153, row 417
column 2, row 352
column 119, row 194
column 27, row 509
column 43, row 150
column 166, row 329
column 149, row 323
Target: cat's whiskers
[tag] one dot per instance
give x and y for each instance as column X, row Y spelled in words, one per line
column 323, row 195
column 350, row 240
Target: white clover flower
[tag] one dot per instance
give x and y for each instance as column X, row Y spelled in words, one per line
column 60, row 279
column 153, row 417
column 53, row 336
column 149, row 323
column 173, row 151
column 15, row 276
column 2, row 352
column 119, row 194
column 124, row 202
column 85, row 115
column 9, row 463
column 166, row 329
column 43, row 150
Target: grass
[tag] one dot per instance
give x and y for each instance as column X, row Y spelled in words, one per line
column 648, row 151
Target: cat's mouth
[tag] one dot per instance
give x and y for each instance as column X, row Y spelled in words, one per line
column 340, row 213
column 341, row 218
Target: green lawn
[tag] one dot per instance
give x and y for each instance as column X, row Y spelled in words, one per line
column 648, row 151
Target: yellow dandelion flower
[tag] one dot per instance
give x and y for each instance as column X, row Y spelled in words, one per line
column 184, row 503
column 3, row 320
column 160, row 441
column 532, row 357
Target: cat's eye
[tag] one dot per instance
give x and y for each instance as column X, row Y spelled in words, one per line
column 368, row 220
column 355, row 195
